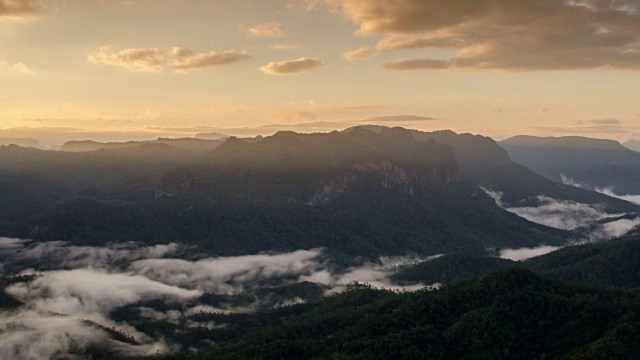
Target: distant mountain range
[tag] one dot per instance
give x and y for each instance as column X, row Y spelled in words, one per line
column 585, row 162
column 191, row 144
column 632, row 144
column 29, row 143
column 367, row 191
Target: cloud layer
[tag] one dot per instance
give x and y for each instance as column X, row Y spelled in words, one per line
column 520, row 35
column 77, row 288
column 157, row 60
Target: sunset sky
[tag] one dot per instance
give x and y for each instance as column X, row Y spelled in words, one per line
column 139, row 69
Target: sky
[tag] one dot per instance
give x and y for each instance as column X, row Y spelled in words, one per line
column 113, row 70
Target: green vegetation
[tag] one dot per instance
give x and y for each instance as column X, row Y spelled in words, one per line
column 611, row 264
column 513, row 314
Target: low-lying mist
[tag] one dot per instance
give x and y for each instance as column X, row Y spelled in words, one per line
column 607, row 190
column 590, row 221
column 69, row 294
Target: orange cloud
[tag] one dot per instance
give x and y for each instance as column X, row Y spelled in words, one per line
column 511, row 35
column 156, row 60
column 272, row 29
column 292, row 66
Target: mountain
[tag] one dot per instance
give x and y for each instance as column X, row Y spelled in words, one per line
column 612, row 264
column 450, row 268
column 359, row 193
column 632, row 144
column 191, row 144
column 512, row 314
column 87, row 221
column 29, row 143
column 486, row 163
column 586, row 162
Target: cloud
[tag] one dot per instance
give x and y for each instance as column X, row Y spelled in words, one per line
column 142, row 59
column 570, row 215
column 285, row 46
column 60, row 305
column 608, row 121
column 157, row 60
column 18, row 68
column 373, row 274
column 226, row 275
column 16, row 8
column 57, row 254
column 570, row 181
column 416, row 64
column 84, row 292
column 36, row 336
column 520, row 35
column 393, row 118
column 526, row 253
column 359, row 54
column 436, row 42
column 610, row 191
column 185, row 60
column 614, row 229
column 271, row 29
column 297, row 66
column 566, row 215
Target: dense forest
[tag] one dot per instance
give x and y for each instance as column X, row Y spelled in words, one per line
column 612, row 264
column 511, row 314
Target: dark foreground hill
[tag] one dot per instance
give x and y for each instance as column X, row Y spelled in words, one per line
column 591, row 163
column 513, row 314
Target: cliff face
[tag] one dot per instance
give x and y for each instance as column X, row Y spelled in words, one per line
column 316, row 169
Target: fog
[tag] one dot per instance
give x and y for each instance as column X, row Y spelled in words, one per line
column 610, row 191
column 526, row 253
column 570, row 215
column 607, row 190
column 75, row 290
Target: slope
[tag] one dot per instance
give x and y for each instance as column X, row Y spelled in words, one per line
column 591, row 163
column 514, row 314
column 362, row 193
